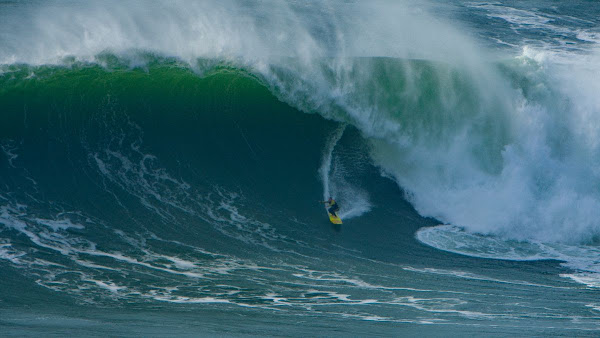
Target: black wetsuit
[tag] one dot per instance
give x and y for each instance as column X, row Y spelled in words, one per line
column 333, row 208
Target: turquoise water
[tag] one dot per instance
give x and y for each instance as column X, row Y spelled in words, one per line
column 161, row 166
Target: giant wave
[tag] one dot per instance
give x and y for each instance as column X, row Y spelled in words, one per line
column 124, row 126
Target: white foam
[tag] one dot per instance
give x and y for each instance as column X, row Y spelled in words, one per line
column 9, row 219
column 9, row 149
column 140, row 175
column 61, row 224
column 444, row 305
column 122, row 258
column 473, row 276
column 10, row 254
column 343, row 280
column 93, row 265
column 583, row 259
column 180, row 263
column 226, row 217
column 519, row 17
column 108, row 285
column 191, row 300
column 368, row 317
column 589, row 279
column 276, row 299
column 552, row 27
column 585, row 35
column 594, row 306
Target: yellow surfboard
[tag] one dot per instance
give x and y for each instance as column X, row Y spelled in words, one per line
column 334, row 219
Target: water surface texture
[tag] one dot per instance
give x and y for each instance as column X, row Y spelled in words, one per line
column 161, row 164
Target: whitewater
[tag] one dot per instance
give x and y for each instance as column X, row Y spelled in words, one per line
column 162, row 166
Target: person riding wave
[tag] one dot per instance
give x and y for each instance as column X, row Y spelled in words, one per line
column 333, row 206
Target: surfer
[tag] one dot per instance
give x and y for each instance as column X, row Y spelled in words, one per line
column 333, row 206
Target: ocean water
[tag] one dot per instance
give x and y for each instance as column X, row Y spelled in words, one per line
column 162, row 163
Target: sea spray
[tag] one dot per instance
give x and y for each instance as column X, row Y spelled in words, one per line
column 353, row 200
column 326, row 159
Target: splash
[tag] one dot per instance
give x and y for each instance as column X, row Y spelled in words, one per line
column 353, row 200
column 326, row 161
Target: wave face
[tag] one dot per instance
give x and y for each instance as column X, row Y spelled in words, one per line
column 175, row 153
column 515, row 141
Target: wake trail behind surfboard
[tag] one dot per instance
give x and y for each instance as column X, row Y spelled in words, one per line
column 352, row 200
column 325, row 168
